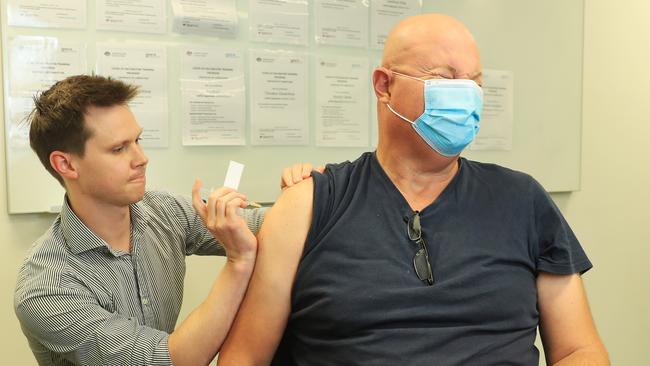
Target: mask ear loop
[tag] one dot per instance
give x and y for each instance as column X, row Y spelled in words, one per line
column 407, row 76
column 391, row 108
column 480, row 90
column 399, row 115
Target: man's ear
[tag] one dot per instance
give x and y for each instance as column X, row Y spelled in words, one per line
column 63, row 164
column 381, row 79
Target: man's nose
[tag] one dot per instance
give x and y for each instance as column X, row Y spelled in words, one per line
column 140, row 158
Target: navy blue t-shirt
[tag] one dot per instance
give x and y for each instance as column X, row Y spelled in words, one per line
column 357, row 300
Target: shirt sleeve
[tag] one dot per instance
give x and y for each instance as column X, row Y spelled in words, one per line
column 198, row 239
column 71, row 322
column 558, row 249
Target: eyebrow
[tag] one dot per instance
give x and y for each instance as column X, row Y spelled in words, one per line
column 122, row 142
column 450, row 68
column 453, row 71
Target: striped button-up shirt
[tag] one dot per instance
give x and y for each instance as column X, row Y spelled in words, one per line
column 79, row 302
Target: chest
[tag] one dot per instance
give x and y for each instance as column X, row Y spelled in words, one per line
column 146, row 285
column 360, row 275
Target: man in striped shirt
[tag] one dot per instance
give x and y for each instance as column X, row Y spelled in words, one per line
column 104, row 285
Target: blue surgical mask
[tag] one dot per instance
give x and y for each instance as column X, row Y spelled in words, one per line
column 452, row 111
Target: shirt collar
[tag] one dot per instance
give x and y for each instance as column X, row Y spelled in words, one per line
column 77, row 235
column 139, row 222
column 80, row 238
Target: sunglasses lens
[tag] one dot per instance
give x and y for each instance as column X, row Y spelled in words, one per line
column 414, row 229
column 421, row 265
column 420, row 261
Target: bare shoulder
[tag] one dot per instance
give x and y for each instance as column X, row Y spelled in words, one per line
column 299, row 196
column 291, row 214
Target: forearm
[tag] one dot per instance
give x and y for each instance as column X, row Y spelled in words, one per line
column 588, row 356
column 261, row 321
column 258, row 327
column 198, row 339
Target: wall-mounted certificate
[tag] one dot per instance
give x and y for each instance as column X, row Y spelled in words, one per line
column 342, row 22
column 342, row 101
column 278, row 106
column 145, row 66
column 213, row 96
column 209, row 17
column 47, row 14
column 279, row 21
column 148, row 16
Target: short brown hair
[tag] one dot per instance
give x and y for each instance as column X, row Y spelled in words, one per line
column 57, row 121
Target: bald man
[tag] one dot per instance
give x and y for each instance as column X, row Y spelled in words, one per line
column 412, row 255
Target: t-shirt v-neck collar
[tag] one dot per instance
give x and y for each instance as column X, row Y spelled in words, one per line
column 395, row 195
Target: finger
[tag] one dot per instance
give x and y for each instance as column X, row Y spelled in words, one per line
column 224, row 202
column 320, row 169
column 213, row 199
column 286, row 178
column 211, row 212
column 306, row 170
column 296, row 173
column 232, row 207
column 197, row 202
column 223, row 196
column 221, row 191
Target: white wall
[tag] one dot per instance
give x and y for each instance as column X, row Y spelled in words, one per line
column 610, row 214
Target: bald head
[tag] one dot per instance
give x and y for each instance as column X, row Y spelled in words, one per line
column 427, row 46
column 424, row 42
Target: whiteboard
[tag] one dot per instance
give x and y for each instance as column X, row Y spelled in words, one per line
column 542, row 43
column 539, row 41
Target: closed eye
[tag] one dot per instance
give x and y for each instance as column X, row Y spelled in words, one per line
column 441, row 76
column 124, row 145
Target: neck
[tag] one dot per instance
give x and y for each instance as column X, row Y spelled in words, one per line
column 419, row 175
column 110, row 222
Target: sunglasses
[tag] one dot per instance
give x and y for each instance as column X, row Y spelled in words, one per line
column 421, row 260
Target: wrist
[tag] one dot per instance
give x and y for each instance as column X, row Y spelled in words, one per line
column 242, row 262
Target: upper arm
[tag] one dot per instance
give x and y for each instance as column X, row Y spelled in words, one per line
column 566, row 324
column 72, row 323
column 261, row 319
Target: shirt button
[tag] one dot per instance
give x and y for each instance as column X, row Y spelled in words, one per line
column 145, row 301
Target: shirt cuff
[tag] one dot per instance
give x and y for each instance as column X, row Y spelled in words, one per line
column 160, row 354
